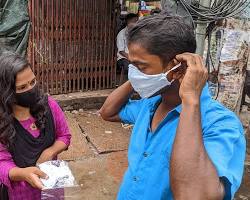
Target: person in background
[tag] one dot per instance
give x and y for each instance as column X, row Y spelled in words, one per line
column 247, row 87
column 184, row 145
column 155, row 11
column 121, row 41
column 246, row 91
column 33, row 129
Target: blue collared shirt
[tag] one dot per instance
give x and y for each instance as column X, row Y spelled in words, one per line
column 147, row 176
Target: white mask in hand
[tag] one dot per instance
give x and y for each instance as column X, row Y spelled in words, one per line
column 147, row 85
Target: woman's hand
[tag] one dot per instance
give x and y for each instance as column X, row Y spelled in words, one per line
column 47, row 155
column 51, row 152
column 31, row 175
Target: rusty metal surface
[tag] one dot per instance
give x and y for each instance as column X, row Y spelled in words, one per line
column 105, row 136
column 72, row 44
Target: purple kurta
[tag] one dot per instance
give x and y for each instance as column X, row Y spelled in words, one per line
column 22, row 190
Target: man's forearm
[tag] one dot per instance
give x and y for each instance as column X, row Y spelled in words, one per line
column 193, row 176
column 115, row 101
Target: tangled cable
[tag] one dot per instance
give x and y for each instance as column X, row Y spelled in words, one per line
column 219, row 9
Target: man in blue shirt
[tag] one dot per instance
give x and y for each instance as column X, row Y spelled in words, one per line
column 184, row 144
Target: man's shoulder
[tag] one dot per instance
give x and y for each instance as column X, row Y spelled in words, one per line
column 122, row 32
column 216, row 115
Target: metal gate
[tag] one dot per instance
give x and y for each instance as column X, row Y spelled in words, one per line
column 72, row 44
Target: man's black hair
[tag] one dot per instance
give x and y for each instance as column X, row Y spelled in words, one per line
column 131, row 16
column 163, row 35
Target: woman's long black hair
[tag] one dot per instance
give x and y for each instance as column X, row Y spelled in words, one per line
column 10, row 65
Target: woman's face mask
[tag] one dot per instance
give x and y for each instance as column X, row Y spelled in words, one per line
column 27, row 91
column 148, row 85
column 29, row 98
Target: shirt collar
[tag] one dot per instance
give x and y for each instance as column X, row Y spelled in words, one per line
column 126, row 30
column 204, row 95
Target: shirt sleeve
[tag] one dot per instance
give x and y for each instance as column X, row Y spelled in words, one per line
column 130, row 111
column 120, row 40
column 6, row 164
column 226, row 146
column 62, row 130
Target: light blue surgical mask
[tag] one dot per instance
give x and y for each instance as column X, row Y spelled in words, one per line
column 148, row 85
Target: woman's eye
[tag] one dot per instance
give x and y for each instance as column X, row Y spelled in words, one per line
column 33, row 82
column 21, row 88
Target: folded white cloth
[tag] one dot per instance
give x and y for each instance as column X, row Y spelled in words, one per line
column 59, row 174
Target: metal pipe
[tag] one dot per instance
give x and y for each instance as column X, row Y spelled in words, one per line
column 201, row 31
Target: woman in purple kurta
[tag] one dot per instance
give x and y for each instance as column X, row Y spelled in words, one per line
column 33, row 129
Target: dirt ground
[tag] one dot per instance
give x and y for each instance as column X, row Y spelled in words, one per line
column 98, row 157
column 244, row 191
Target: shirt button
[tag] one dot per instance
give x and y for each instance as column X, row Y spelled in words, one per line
column 145, row 154
column 135, row 178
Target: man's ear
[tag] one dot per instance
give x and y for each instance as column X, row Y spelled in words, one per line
column 169, row 65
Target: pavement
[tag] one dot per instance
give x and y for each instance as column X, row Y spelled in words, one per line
column 244, row 191
column 98, row 156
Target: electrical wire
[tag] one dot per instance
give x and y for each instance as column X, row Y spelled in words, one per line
column 188, row 16
column 219, row 9
column 213, row 73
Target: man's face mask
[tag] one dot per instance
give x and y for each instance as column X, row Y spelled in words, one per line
column 148, row 85
column 29, row 98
